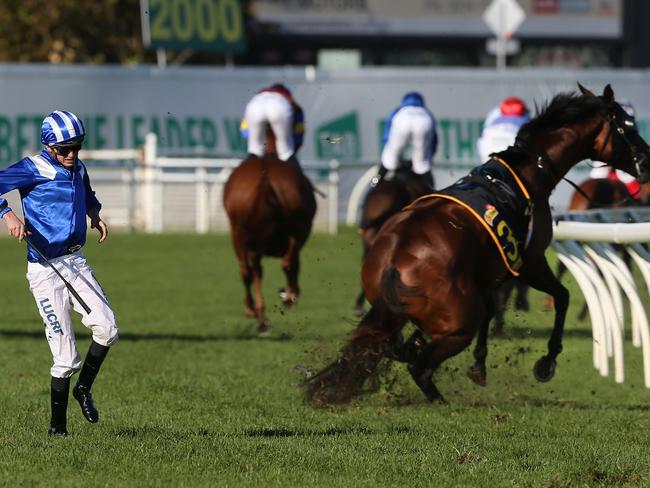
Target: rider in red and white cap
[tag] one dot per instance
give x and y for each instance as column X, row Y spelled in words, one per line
column 601, row 170
column 274, row 106
column 501, row 126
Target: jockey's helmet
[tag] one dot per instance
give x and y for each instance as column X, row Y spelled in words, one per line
column 281, row 88
column 513, row 106
column 62, row 128
column 413, row 98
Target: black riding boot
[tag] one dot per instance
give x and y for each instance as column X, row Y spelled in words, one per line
column 59, row 389
column 293, row 160
column 426, row 182
column 379, row 176
column 81, row 391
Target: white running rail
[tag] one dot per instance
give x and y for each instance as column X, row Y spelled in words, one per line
column 585, row 248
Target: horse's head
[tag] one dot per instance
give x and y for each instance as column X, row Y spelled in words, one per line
column 619, row 142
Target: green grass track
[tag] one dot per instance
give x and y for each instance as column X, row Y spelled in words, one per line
column 190, row 397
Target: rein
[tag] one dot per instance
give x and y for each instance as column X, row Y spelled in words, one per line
column 543, row 157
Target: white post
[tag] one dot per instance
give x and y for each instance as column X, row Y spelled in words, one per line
column 202, row 201
column 152, row 186
column 333, row 197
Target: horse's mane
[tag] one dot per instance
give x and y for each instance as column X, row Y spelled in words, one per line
column 562, row 110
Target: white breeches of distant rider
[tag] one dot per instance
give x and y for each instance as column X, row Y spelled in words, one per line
column 273, row 109
column 54, row 303
column 601, row 170
column 496, row 138
column 414, row 125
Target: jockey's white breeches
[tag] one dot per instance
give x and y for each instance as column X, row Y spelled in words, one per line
column 414, row 125
column 273, row 109
column 496, row 138
column 55, row 302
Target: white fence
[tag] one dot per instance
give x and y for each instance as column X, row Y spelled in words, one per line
column 583, row 242
column 153, row 192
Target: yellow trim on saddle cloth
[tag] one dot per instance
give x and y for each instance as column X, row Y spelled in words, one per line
column 514, row 175
column 478, row 217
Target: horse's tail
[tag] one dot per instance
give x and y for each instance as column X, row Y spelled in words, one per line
column 358, row 367
column 393, row 290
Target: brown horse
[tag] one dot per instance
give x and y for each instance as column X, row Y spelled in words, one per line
column 270, row 204
column 434, row 264
column 381, row 202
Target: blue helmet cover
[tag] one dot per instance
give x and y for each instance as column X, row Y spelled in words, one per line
column 413, row 98
column 61, row 127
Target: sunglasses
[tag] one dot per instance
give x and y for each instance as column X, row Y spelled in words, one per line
column 65, row 150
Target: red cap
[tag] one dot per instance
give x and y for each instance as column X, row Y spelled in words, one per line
column 513, row 106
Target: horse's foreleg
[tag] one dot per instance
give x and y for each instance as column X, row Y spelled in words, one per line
column 477, row 372
column 291, row 268
column 500, row 297
column 539, row 276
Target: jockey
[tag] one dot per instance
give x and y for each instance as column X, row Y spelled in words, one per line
column 274, row 106
column 603, row 171
column 410, row 122
column 501, row 126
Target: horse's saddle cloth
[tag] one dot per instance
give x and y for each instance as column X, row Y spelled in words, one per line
column 495, row 195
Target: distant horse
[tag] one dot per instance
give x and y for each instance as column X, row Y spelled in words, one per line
column 271, row 206
column 435, row 263
column 382, row 202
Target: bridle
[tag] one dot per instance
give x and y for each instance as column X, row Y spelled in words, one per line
column 639, row 158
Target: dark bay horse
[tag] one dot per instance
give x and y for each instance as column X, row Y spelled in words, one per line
column 270, row 204
column 390, row 196
column 434, row 263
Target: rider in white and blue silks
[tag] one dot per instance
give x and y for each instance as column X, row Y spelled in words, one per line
column 57, row 200
column 413, row 123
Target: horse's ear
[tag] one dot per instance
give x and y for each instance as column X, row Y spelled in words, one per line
column 608, row 94
column 584, row 91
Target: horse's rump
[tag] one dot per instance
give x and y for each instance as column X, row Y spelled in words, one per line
column 268, row 200
column 432, row 243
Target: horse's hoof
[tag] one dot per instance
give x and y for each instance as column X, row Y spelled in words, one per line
column 477, row 375
column 544, row 369
column 358, row 311
column 289, row 299
column 264, row 328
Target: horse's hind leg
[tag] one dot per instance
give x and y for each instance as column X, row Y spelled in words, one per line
column 263, row 324
column 477, row 372
column 430, row 357
column 245, row 271
column 291, row 268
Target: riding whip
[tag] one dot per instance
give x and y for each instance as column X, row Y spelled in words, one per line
column 65, row 282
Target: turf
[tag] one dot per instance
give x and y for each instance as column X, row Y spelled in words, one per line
column 190, row 397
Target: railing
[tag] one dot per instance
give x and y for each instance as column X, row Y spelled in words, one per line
column 583, row 242
column 156, row 192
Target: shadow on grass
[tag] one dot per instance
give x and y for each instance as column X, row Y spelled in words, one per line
column 545, row 333
column 270, row 432
column 153, row 336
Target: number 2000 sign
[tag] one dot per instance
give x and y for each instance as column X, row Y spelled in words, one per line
column 195, row 22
